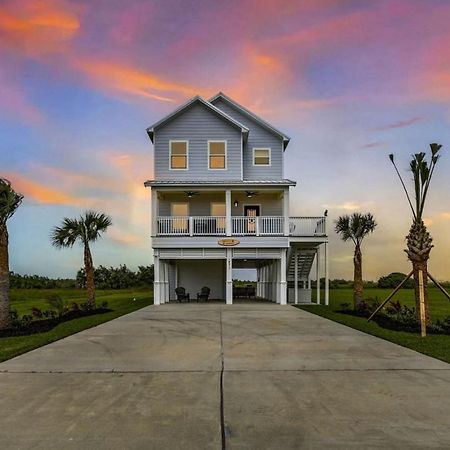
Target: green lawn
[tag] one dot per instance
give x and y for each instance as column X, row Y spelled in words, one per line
column 437, row 346
column 119, row 301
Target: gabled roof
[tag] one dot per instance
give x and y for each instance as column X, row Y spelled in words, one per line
column 197, row 99
column 253, row 116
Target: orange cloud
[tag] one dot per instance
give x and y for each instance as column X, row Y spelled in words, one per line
column 118, row 77
column 41, row 193
column 37, row 27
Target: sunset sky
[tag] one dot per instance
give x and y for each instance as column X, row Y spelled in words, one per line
column 348, row 81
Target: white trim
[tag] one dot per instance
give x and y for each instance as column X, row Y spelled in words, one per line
column 252, row 115
column 152, row 128
column 226, row 152
column 270, row 156
column 170, row 153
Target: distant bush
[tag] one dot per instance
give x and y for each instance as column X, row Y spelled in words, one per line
column 392, row 280
column 118, row 277
column 17, row 281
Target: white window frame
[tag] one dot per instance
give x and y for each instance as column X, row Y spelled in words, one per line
column 170, row 153
column 226, row 152
column 270, row 156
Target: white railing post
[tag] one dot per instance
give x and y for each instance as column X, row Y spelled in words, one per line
column 191, row 226
column 257, row 225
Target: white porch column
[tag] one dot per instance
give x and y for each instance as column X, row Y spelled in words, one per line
column 318, row 275
column 283, row 284
column 157, row 281
column 229, row 270
column 327, row 293
column 296, row 277
column 166, row 282
column 228, row 222
column 154, row 211
column 286, row 211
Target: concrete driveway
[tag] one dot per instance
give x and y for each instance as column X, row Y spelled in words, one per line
column 249, row 376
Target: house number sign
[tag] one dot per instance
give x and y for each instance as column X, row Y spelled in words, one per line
column 228, row 242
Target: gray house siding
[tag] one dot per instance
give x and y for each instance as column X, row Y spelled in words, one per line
column 258, row 137
column 197, row 125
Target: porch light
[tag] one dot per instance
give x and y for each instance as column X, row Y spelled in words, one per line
column 236, row 204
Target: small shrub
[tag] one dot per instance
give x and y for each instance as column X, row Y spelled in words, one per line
column 36, row 313
column 345, row 306
column 86, row 307
column 26, row 320
column 56, row 302
column 367, row 306
column 74, row 306
column 104, row 305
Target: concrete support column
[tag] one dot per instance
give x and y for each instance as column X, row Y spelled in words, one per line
column 228, row 221
column 166, row 282
column 327, row 276
column 283, row 283
column 229, row 277
column 318, row 275
column 157, row 281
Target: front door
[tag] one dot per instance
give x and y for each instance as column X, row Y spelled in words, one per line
column 251, row 211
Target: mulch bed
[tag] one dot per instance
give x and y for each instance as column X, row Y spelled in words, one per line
column 43, row 325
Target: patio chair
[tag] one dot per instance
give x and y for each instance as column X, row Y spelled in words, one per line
column 204, row 294
column 181, row 294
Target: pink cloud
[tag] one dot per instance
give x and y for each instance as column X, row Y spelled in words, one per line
column 399, row 124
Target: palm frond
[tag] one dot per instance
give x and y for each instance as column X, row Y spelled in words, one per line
column 10, row 200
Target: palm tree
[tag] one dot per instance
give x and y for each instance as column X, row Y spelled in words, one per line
column 88, row 228
column 419, row 241
column 10, row 200
column 356, row 227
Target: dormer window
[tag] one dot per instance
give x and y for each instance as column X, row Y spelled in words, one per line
column 217, row 155
column 179, row 151
column 261, row 157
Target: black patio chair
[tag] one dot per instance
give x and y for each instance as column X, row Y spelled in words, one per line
column 204, row 294
column 181, row 294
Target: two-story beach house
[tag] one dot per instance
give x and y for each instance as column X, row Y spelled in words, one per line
column 219, row 201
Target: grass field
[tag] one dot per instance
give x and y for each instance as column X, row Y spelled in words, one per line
column 119, row 301
column 437, row 346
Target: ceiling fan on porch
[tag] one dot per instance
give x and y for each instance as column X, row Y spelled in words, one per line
column 250, row 194
column 191, row 194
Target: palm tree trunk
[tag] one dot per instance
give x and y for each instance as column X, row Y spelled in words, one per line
column 357, row 277
column 423, row 266
column 89, row 269
column 5, row 319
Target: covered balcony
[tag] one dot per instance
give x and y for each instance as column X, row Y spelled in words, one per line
column 240, row 226
column 252, row 211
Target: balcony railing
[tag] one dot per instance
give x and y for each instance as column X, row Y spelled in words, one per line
column 240, row 226
column 307, row 226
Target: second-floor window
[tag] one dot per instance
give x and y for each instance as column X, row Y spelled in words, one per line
column 261, row 156
column 217, row 155
column 179, row 155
